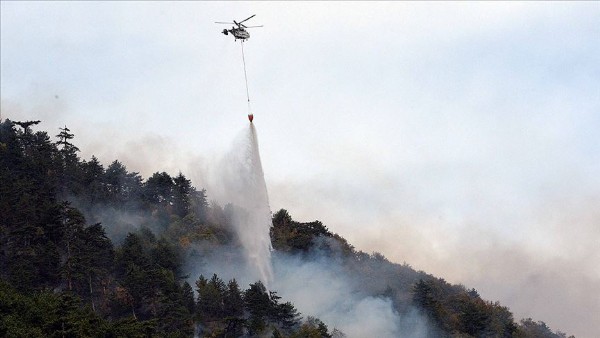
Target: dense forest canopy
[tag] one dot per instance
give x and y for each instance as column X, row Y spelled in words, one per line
column 94, row 250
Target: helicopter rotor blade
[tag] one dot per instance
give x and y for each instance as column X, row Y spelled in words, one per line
column 248, row 18
column 253, row 26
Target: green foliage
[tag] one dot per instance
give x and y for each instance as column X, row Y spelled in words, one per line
column 132, row 328
column 257, row 300
column 226, row 311
column 158, row 189
column 28, row 205
column 46, row 243
column 426, row 297
column 233, row 303
column 287, row 317
column 147, row 270
column 46, row 314
column 121, row 187
column 294, row 237
column 182, row 195
column 211, row 294
column 264, row 308
column 187, row 297
column 530, row 328
column 312, row 328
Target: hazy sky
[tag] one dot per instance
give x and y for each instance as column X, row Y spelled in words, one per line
column 462, row 138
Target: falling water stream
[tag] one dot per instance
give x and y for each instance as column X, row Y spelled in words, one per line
column 247, row 190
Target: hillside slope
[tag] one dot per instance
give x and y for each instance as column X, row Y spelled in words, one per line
column 94, row 251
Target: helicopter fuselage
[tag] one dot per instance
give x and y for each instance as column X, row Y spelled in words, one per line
column 238, row 33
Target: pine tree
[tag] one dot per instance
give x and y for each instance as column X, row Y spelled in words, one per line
column 96, row 261
column 94, row 191
column 122, row 187
column 70, row 173
column 211, row 294
column 133, row 268
column 187, row 298
column 426, row 297
column 158, row 189
column 233, row 301
column 258, row 303
column 182, row 194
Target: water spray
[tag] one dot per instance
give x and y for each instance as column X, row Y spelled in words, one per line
column 244, row 187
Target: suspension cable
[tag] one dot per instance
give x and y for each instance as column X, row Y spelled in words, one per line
column 246, row 77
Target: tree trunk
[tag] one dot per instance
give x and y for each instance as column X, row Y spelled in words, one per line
column 91, row 292
column 69, row 266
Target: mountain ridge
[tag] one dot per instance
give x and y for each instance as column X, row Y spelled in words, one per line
column 94, row 251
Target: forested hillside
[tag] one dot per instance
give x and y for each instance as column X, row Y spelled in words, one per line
column 95, row 251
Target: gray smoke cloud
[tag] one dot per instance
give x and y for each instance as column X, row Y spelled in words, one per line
column 540, row 259
column 319, row 287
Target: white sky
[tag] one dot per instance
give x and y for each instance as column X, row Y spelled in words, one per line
column 462, row 138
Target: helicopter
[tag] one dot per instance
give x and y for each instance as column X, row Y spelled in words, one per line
column 240, row 32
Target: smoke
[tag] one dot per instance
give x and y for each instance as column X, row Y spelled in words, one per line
column 50, row 109
column 317, row 285
column 320, row 286
column 541, row 260
column 553, row 260
column 239, row 180
column 117, row 222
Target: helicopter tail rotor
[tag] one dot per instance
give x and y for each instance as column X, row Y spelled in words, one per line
column 225, row 32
